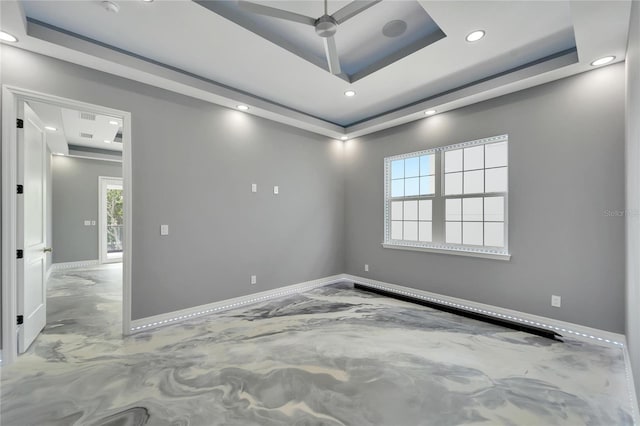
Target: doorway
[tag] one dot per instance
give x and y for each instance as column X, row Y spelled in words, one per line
column 23, row 296
column 111, row 219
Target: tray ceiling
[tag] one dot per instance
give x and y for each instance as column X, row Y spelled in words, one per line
column 184, row 47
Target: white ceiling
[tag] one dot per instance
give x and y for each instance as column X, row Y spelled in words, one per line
column 228, row 64
column 51, row 117
column 91, row 130
column 70, row 124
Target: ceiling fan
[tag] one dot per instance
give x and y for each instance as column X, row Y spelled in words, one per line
column 326, row 25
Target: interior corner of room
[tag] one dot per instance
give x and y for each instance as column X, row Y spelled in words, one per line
column 503, row 187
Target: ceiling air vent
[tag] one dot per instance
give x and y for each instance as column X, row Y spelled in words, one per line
column 86, row 135
column 88, row 116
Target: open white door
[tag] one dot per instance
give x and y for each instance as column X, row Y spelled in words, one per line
column 31, row 232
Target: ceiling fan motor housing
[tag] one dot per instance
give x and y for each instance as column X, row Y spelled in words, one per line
column 326, row 26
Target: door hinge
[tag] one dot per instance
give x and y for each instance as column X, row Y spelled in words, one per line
column 20, row 189
column 20, row 319
column 20, row 253
column 20, row 123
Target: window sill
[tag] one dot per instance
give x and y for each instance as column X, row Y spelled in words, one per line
column 453, row 251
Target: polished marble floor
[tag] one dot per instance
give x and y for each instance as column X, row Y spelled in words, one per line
column 330, row 356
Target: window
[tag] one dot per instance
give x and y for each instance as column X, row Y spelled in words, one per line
column 467, row 215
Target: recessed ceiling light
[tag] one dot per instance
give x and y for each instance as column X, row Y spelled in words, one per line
column 430, row 112
column 7, row 37
column 344, row 138
column 475, row 36
column 107, row 141
column 114, row 122
column 148, row 1
column 349, row 93
column 602, row 61
column 243, row 107
column 50, row 128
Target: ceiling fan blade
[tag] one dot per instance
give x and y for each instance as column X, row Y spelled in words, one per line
column 332, row 55
column 352, row 9
column 276, row 13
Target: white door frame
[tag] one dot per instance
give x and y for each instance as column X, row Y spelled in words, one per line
column 103, row 182
column 10, row 97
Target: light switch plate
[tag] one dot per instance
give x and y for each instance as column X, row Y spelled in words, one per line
column 366, row 267
column 87, row 223
column 164, row 229
column 254, row 279
column 556, row 301
column 93, row 223
column 254, row 187
column 276, row 190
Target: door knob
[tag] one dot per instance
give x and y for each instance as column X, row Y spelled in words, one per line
column 48, row 249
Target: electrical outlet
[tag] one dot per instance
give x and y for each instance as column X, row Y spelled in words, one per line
column 164, row 229
column 93, row 223
column 366, row 267
column 254, row 279
column 276, row 190
column 254, row 187
column 556, row 301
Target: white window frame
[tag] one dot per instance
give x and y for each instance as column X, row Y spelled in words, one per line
column 438, row 207
column 104, row 182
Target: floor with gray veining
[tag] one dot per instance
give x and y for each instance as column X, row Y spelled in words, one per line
column 330, row 356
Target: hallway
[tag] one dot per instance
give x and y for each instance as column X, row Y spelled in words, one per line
column 85, row 301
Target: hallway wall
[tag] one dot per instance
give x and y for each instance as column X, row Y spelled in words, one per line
column 75, row 198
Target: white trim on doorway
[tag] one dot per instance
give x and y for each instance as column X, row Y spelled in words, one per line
column 104, row 182
column 10, row 98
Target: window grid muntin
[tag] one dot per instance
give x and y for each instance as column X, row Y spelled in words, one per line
column 419, row 177
column 463, row 170
column 462, row 221
column 402, row 200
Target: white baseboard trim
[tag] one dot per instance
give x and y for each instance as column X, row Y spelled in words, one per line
column 566, row 328
column 633, row 396
column 148, row 323
column 576, row 331
column 78, row 264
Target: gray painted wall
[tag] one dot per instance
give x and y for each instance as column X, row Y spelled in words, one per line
column 633, row 192
column 76, row 199
column 567, row 168
column 193, row 165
